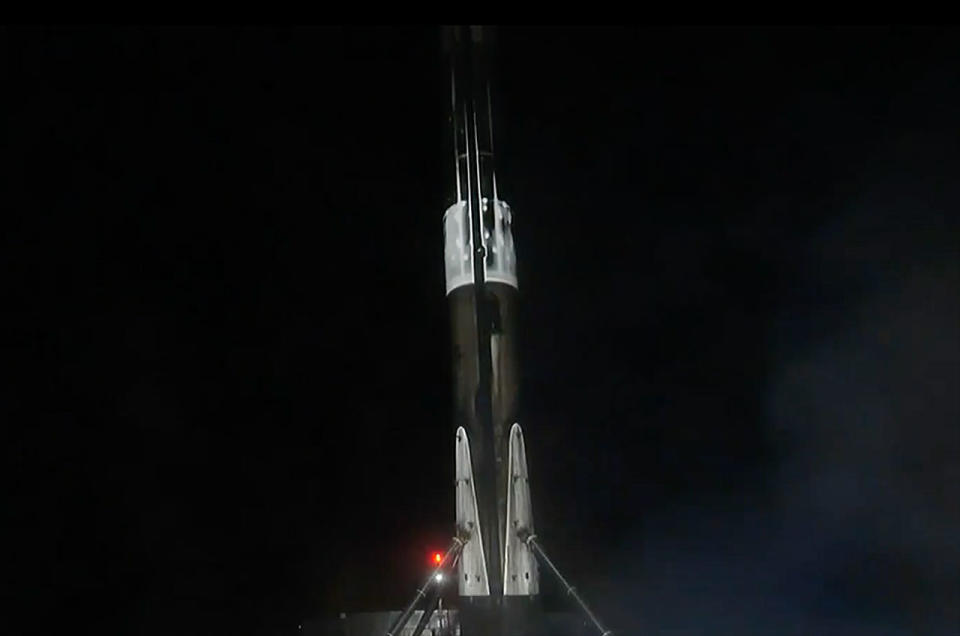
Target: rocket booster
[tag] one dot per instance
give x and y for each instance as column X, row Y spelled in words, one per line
column 493, row 500
column 495, row 549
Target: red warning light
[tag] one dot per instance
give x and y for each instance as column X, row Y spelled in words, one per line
column 437, row 558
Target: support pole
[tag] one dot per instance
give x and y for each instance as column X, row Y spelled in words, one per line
column 427, row 612
column 531, row 541
column 452, row 552
column 434, row 603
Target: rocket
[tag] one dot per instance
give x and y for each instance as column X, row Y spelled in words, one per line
column 497, row 570
column 495, row 555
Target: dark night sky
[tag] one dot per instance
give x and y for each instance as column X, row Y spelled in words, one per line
column 229, row 397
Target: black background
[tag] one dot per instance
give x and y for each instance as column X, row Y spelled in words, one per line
column 229, row 386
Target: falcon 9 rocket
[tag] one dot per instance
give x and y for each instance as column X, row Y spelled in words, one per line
column 497, row 572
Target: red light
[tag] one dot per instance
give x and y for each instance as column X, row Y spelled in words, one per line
column 437, row 558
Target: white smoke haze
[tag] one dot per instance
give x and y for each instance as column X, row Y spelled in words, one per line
column 863, row 536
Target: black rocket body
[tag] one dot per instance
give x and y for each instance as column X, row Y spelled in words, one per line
column 497, row 573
